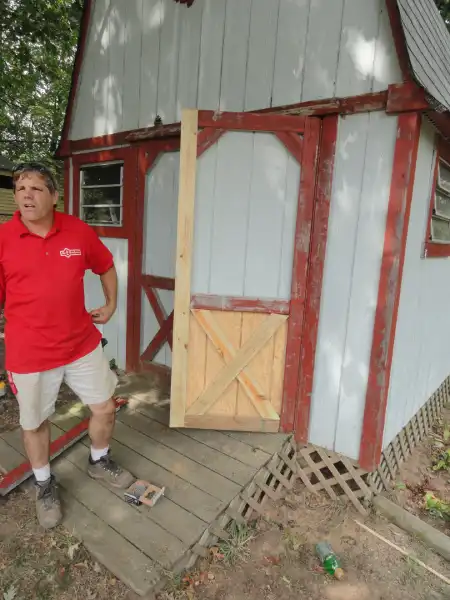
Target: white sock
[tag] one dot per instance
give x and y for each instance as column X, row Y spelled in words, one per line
column 98, row 454
column 42, row 474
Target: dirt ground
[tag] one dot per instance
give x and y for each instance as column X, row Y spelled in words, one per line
column 275, row 560
column 417, row 476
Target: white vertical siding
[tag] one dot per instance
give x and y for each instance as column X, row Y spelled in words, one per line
column 160, row 229
column 115, row 331
column 245, row 214
column 362, row 176
column 148, row 57
column 421, row 358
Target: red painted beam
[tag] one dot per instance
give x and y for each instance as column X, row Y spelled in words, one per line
column 234, row 303
column 315, row 277
column 245, row 121
column 303, row 230
column 402, row 184
column 406, row 97
column 159, row 283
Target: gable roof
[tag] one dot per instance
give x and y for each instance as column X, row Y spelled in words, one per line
column 427, row 42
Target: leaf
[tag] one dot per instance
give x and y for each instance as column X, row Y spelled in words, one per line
column 72, row 549
column 446, row 434
column 400, row 486
column 11, row 593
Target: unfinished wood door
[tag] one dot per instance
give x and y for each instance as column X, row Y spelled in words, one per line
column 245, row 209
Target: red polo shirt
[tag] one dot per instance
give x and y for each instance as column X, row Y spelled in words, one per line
column 42, row 288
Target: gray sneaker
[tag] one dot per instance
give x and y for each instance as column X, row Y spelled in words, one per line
column 109, row 471
column 48, row 504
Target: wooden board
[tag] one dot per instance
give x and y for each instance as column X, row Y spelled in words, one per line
column 236, row 366
column 210, row 482
column 253, row 457
column 152, row 539
column 203, row 455
column 109, row 548
column 174, row 519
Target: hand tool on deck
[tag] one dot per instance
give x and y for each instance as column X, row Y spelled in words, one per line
column 143, row 492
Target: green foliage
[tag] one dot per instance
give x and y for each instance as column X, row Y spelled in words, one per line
column 444, row 8
column 38, row 41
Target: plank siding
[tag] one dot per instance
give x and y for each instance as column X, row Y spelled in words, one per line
column 422, row 346
column 115, row 330
column 257, row 207
column 160, row 229
column 156, row 57
column 360, row 195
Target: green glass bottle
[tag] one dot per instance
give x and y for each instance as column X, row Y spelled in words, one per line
column 329, row 560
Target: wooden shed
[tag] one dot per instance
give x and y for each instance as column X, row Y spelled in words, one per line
column 273, row 179
column 7, row 204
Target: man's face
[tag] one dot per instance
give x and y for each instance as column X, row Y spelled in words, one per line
column 34, row 199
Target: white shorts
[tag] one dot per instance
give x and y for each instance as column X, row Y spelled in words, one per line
column 89, row 377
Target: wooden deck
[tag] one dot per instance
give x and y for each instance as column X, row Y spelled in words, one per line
column 203, row 471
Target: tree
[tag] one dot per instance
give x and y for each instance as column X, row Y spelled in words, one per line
column 444, row 8
column 38, row 41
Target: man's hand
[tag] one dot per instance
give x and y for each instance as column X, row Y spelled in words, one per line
column 103, row 314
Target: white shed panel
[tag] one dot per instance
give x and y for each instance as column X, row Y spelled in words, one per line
column 360, row 195
column 421, row 355
column 149, row 57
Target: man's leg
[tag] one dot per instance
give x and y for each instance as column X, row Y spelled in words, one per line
column 36, row 395
column 93, row 381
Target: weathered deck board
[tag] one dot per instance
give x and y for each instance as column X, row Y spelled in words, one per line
column 146, row 535
column 173, row 518
column 9, row 457
column 109, row 548
column 269, row 442
column 214, row 484
column 204, row 455
column 203, row 471
column 253, row 457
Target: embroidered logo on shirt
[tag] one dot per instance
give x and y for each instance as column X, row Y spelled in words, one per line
column 68, row 253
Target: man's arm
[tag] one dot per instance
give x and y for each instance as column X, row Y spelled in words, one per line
column 109, row 284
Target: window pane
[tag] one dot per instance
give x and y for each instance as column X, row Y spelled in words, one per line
column 101, row 196
column 101, row 175
column 444, row 176
column 440, row 230
column 442, row 204
column 102, row 216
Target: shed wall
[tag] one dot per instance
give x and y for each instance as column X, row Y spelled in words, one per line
column 160, row 242
column 149, row 57
column 360, row 195
column 116, row 329
column 245, row 215
column 421, row 358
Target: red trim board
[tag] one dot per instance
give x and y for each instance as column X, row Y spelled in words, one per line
column 303, row 231
column 11, row 480
column 402, row 184
column 399, row 38
column 240, row 304
column 300, row 416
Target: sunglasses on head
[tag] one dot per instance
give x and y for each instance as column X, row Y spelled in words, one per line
column 34, row 166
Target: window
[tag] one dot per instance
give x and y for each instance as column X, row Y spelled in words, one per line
column 440, row 218
column 101, row 194
column 437, row 243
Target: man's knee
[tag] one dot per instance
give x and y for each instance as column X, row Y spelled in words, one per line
column 105, row 409
column 32, row 430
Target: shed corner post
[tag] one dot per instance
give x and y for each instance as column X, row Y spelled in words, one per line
column 389, row 287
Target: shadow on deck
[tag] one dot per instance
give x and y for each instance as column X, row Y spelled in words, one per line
column 210, row 477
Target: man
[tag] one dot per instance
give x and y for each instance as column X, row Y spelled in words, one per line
column 49, row 335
